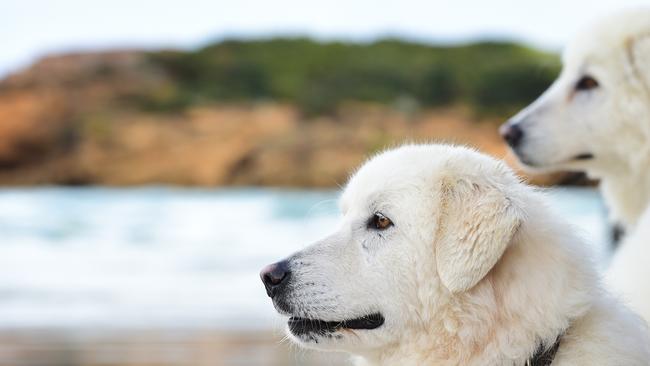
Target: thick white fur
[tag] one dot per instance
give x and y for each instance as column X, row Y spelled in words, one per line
column 476, row 270
column 612, row 121
column 629, row 273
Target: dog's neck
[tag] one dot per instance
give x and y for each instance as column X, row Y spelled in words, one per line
column 625, row 176
column 543, row 355
column 503, row 320
column 626, row 195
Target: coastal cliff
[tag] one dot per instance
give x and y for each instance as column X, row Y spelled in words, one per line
column 129, row 118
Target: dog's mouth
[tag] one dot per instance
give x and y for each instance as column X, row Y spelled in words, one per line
column 303, row 326
column 584, row 156
column 526, row 161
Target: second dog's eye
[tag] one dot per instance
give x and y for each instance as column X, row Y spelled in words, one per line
column 586, row 83
column 379, row 222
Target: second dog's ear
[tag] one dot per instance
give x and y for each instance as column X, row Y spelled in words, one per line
column 638, row 55
column 476, row 225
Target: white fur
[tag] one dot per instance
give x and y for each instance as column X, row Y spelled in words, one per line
column 476, row 270
column 629, row 272
column 612, row 121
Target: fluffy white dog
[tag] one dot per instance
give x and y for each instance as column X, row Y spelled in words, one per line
column 444, row 258
column 596, row 118
column 596, row 115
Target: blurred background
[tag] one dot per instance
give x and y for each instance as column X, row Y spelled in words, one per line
column 154, row 155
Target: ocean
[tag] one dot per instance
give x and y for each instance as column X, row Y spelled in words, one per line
column 170, row 258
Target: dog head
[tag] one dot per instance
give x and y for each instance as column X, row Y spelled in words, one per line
column 420, row 225
column 601, row 95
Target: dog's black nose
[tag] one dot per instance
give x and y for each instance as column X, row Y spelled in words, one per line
column 274, row 276
column 512, row 133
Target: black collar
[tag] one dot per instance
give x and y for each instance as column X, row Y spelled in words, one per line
column 544, row 356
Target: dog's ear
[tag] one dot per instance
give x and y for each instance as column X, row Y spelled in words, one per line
column 638, row 56
column 476, row 225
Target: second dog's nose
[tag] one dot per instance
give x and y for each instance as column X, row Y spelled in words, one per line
column 512, row 133
column 274, row 276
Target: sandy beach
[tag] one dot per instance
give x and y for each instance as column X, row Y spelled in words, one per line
column 154, row 348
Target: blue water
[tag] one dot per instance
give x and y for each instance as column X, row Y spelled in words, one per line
column 166, row 257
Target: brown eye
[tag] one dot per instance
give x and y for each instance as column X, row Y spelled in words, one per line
column 586, row 83
column 379, row 222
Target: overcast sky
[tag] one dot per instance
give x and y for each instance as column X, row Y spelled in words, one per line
column 32, row 28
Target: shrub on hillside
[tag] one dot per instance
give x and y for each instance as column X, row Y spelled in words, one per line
column 318, row 77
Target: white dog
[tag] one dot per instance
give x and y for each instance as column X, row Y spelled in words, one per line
column 596, row 118
column 596, row 115
column 444, row 258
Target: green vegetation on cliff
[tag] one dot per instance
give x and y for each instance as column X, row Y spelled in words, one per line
column 317, row 77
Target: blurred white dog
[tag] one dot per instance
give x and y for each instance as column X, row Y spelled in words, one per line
column 596, row 118
column 444, row 258
column 596, row 115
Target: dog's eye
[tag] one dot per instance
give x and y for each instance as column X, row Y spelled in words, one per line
column 586, row 83
column 379, row 222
